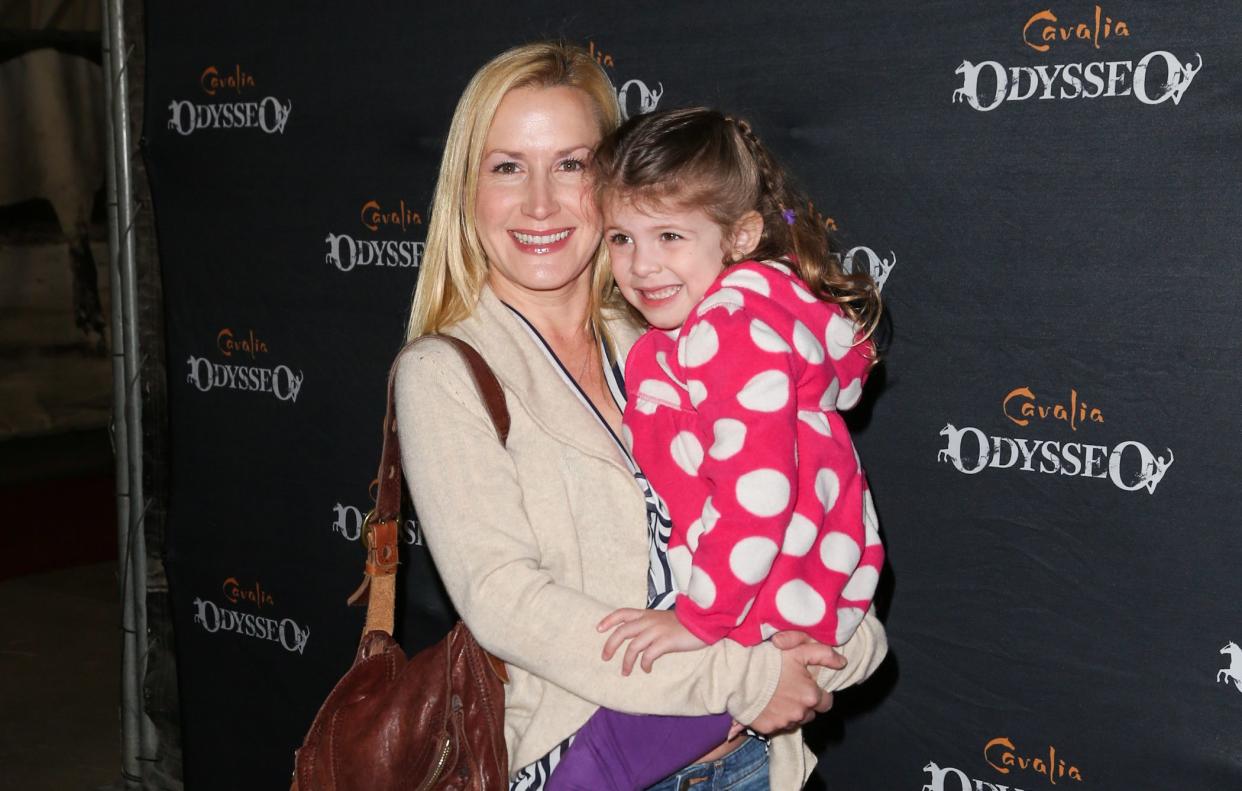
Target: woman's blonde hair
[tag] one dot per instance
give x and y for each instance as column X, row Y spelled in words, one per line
column 454, row 265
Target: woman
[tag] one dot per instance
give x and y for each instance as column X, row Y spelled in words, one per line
column 537, row 541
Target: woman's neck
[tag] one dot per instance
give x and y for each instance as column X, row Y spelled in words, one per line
column 560, row 315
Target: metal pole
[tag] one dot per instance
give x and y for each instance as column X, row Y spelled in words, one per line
column 138, row 739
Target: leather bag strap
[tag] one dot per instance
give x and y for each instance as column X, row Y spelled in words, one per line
column 380, row 529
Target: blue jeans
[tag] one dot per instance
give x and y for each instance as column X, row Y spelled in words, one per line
column 744, row 769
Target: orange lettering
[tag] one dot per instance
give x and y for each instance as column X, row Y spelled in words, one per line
column 1020, row 391
column 1006, row 756
column 1042, row 15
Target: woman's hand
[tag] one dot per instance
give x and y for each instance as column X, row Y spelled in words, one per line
column 652, row 633
column 798, row 697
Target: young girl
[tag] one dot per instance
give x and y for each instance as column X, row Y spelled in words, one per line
column 757, row 340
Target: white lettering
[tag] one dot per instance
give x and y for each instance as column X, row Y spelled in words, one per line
column 1114, row 78
column 346, row 252
column 270, row 115
column 1145, row 470
column 280, row 381
column 287, row 632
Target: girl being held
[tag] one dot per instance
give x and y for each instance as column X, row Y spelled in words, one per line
column 757, row 340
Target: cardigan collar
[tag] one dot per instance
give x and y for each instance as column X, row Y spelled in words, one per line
column 528, row 375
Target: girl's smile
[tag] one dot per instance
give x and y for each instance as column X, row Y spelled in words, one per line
column 663, row 260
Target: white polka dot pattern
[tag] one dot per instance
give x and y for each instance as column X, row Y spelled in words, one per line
column 766, row 392
column 766, row 338
column 728, row 298
column 699, row 346
column 729, row 436
column 698, row 392
column 662, row 361
column 870, row 521
column 839, row 337
column 807, row 345
column 763, row 492
column 828, row 401
column 653, row 393
column 838, row 552
column 748, row 279
column 709, row 516
column 799, row 536
column 800, row 604
column 693, row 534
column 701, row 590
column 817, row 421
column 827, row 488
column 861, row 586
column 802, row 294
column 687, row 453
column 850, row 395
column 751, row 559
column 766, row 630
column 848, row 619
column 778, row 266
column 745, row 611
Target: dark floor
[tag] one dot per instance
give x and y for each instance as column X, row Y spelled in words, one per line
column 59, row 615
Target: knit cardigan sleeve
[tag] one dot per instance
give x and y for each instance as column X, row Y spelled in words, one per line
column 470, row 503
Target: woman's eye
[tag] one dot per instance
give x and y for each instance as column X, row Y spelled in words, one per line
column 669, row 236
column 618, row 238
column 573, row 165
column 506, row 168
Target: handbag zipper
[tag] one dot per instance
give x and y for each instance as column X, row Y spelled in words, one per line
column 445, row 749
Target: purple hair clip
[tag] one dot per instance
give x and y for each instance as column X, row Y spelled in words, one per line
column 788, row 214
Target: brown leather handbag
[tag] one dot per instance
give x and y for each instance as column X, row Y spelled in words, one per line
column 435, row 721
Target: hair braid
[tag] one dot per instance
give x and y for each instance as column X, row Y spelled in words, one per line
column 792, row 224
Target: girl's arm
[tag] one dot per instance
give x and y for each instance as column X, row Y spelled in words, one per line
column 471, row 508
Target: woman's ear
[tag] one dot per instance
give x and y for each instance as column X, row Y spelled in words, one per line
column 747, row 232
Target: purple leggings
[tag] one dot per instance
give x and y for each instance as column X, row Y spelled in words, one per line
column 629, row 752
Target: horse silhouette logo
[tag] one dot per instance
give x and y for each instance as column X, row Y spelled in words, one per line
column 1234, row 671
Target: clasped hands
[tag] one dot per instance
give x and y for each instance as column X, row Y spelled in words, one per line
column 798, row 697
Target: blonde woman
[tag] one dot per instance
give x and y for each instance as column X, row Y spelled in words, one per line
column 537, row 541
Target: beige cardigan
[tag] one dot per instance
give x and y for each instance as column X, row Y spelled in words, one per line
column 537, row 542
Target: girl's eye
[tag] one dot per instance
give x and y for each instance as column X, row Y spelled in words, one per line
column 618, row 238
column 573, row 165
column 506, row 168
column 669, row 236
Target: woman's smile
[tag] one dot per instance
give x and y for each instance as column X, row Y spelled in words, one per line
column 540, row 242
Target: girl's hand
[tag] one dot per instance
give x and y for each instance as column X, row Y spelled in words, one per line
column 651, row 633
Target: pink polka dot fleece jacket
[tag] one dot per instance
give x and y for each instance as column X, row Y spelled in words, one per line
column 734, row 418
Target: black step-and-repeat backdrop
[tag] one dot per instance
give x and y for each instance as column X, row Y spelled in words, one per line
column 1049, row 194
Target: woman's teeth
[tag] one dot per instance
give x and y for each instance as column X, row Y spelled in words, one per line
column 526, row 238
